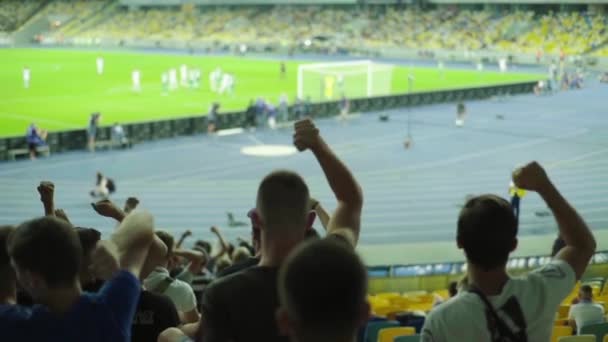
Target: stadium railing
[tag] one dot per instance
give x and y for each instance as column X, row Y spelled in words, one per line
column 437, row 276
column 155, row 130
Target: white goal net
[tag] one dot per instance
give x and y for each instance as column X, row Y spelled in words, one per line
column 331, row 81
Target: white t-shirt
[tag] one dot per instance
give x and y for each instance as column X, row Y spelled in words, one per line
column 586, row 314
column 529, row 302
column 180, row 293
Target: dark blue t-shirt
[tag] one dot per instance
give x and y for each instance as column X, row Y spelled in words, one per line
column 104, row 316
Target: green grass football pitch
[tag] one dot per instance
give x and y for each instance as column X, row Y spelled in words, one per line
column 65, row 87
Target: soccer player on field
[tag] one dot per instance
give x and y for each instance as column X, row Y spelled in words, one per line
column 26, row 77
column 227, row 84
column 183, row 75
column 283, row 70
column 164, row 78
column 100, row 65
column 173, row 79
column 136, row 79
column 214, row 79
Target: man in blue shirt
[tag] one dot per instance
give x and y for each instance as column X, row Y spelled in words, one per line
column 46, row 255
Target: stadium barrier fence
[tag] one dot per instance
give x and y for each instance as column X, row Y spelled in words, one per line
column 71, row 140
column 433, row 277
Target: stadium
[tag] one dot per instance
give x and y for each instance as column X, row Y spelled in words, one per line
column 398, row 117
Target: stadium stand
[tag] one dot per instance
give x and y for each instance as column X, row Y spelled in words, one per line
column 332, row 29
column 13, row 13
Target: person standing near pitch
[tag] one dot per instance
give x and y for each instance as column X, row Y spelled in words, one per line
column 461, row 112
column 26, row 77
column 100, row 63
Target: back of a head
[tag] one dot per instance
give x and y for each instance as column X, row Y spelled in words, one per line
column 282, row 202
column 203, row 245
column 240, row 254
column 7, row 274
column 168, row 240
column 487, row 231
column 323, row 288
column 586, row 292
column 48, row 247
column 453, row 289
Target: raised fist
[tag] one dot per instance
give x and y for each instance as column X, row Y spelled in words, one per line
column 531, row 177
column 131, row 204
column 215, row 230
column 106, row 208
column 46, row 190
column 306, row 135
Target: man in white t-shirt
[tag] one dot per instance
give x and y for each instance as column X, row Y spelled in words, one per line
column 181, row 293
column 495, row 305
column 586, row 312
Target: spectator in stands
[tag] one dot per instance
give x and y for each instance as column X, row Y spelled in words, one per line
column 8, row 280
column 50, row 275
column 154, row 313
column 495, row 305
column 159, row 281
column 329, row 310
column 241, row 307
column 35, row 138
column 92, row 130
column 586, row 312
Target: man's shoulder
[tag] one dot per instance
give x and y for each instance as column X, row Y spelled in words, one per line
column 15, row 313
column 154, row 300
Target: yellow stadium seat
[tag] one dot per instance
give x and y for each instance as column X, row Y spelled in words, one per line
column 606, row 338
column 560, row 331
column 389, row 334
column 563, row 311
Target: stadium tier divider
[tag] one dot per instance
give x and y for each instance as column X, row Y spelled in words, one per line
column 437, row 276
column 70, row 140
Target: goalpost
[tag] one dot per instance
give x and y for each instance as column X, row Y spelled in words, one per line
column 332, row 80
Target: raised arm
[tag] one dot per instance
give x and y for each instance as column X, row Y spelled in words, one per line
column 223, row 244
column 195, row 258
column 133, row 240
column 182, row 238
column 108, row 209
column 580, row 243
column 47, row 192
column 320, row 211
column 346, row 220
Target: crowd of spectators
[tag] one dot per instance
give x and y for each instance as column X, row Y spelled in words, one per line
column 446, row 28
column 288, row 282
column 13, row 13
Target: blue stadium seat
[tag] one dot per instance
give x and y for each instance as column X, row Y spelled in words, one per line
column 373, row 328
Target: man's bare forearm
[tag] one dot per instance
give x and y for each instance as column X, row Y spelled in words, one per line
column 572, row 228
column 340, row 179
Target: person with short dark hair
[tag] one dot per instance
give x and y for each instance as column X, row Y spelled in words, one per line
column 453, row 289
column 494, row 306
column 586, row 311
column 47, row 256
column 242, row 306
column 8, row 279
column 331, row 310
